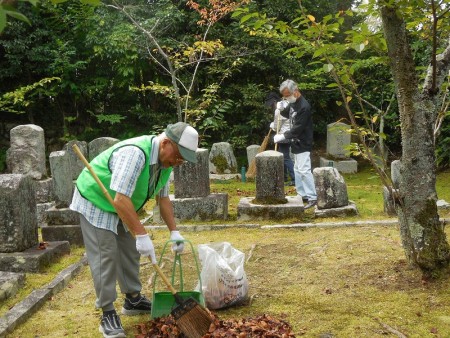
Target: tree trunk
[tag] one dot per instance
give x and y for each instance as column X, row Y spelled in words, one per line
column 422, row 234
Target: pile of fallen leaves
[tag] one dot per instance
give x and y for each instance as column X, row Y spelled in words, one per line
column 261, row 326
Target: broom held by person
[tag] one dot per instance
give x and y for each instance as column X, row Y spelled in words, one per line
column 132, row 171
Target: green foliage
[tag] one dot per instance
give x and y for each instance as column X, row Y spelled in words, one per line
column 18, row 100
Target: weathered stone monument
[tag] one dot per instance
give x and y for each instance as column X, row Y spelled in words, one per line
column 26, row 154
column 99, row 145
column 270, row 201
column 19, row 242
column 338, row 138
column 61, row 222
column 75, row 164
column 193, row 199
column 222, row 159
column 252, row 151
column 332, row 197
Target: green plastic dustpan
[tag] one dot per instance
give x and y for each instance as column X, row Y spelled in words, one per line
column 163, row 301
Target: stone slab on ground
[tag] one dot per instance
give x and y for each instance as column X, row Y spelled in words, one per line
column 211, row 207
column 33, row 259
column 10, row 283
column 70, row 233
column 348, row 166
column 246, row 210
column 443, row 205
column 348, row 210
column 31, row 304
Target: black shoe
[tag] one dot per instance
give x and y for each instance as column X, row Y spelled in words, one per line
column 310, row 204
column 110, row 326
column 135, row 306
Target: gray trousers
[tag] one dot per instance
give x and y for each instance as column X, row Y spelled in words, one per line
column 111, row 258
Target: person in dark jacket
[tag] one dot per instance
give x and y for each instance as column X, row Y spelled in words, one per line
column 300, row 136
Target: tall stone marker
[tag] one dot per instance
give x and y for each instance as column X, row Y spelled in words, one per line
column 193, row 199
column 338, row 138
column 270, row 176
column 18, row 223
column 60, row 167
column 26, row 154
column 192, row 179
column 75, row 164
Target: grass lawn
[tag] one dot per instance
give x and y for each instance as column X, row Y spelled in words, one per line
column 350, row 282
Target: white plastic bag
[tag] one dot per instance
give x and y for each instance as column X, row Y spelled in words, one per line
column 224, row 282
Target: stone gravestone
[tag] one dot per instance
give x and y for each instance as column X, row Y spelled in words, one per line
column 395, row 173
column 26, row 154
column 75, row 164
column 99, row 145
column 270, row 177
column 62, row 223
column 338, row 138
column 270, row 201
column 19, row 241
column 332, row 197
column 60, row 167
column 18, row 224
column 192, row 199
column 222, row 159
column 252, row 151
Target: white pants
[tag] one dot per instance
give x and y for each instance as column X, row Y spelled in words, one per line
column 304, row 180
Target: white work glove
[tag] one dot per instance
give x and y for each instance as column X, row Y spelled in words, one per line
column 144, row 246
column 280, row 105
column 272, row 126
column 278, row 138
column 175, row 236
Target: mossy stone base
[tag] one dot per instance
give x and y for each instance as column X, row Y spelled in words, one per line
column 247, row 210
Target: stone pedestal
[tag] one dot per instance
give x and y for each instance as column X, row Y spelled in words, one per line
column 211, row 207
column 270, row 201
column 247, row 210
column 33, row 259
column 62, row 224
column 252, row 151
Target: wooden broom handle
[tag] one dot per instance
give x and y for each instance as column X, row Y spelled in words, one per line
column 278, row 129
column 109, row 198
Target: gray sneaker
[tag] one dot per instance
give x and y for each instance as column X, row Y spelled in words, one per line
column 135, row 306
column 310, row 204
column 111, row 327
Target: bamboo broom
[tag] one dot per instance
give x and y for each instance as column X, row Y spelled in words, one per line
column 251, row 172
column 192, row 319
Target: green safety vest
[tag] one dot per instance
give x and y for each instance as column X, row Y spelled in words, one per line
column 90, row 190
